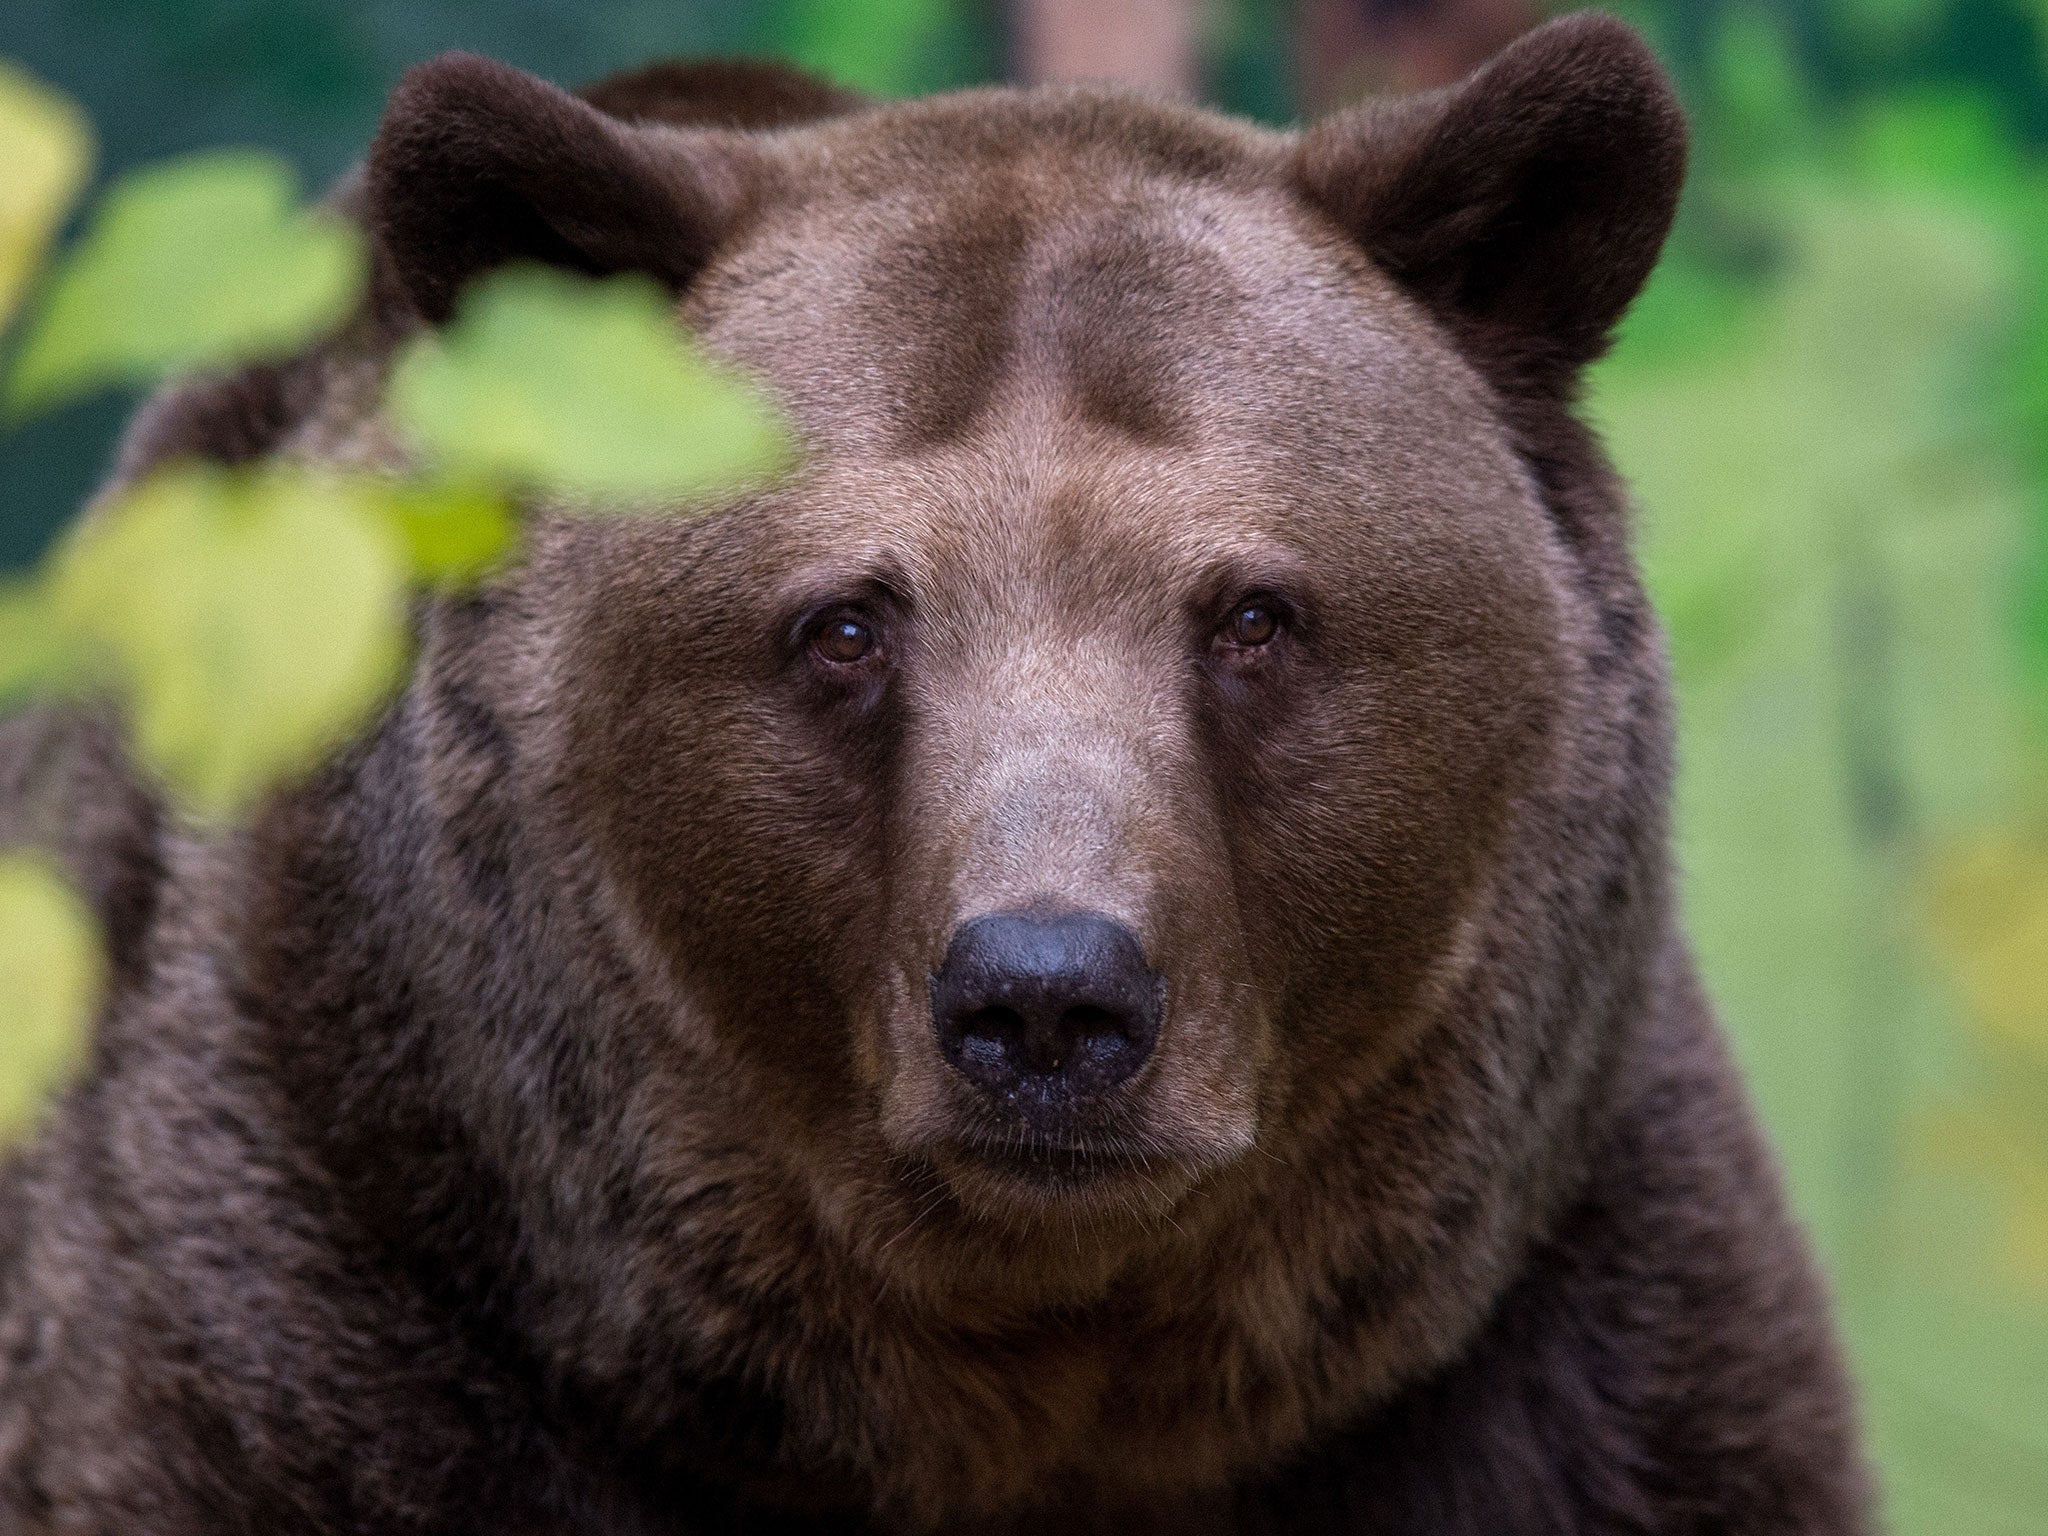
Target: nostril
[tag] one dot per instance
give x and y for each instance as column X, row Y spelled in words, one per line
column 1090, row 1023
column 987, row 1035
column 996, row 1022
column 1101, row 1047
column 983, row 1057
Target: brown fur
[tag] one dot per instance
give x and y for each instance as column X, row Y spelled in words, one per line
column 66, row 789
column 721, row 93
column 535, row 1122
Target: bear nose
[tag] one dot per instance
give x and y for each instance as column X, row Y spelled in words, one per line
column 1054, row 1006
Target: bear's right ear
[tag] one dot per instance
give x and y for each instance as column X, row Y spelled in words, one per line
column 1524, row 206
column 477, row 164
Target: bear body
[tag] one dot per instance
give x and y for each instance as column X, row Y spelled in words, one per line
column 573, row 1109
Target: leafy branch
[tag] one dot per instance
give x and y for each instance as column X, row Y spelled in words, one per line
column 248, row 619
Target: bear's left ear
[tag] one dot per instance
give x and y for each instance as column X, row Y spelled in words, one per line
column 477, row 164
column 1526, row 205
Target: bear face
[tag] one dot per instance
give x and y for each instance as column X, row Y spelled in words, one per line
column 1088, row 769
column 1093, row 768
column 1187, row 669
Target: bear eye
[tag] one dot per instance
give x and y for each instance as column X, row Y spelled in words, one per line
column 1252, row 623
column 843, row 640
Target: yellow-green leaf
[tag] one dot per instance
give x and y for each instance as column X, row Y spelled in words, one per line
column 46, row 148
column 253, row 619
column 583, row 389
column 49, row 985
column 451, row 531
column 198, row 262
column 37, row 652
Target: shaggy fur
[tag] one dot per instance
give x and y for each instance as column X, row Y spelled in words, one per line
column 534, row 1123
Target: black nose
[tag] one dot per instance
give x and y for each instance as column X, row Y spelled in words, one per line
column 1052, row 1006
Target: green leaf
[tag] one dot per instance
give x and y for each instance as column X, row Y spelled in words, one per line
column 38, row 654
column 49, row 986
column 253, row 619
column 199, row 262
column 46, row 147
column 451, row 531
column 587, row 390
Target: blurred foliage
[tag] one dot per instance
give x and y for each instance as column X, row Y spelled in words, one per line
column 601, row 417
column 253, row 618
column 49, row 975
column 249, row 619
column 197, row 262
column 1833, row 402
column 889, row 47
column 452, row 531
column 47, row 150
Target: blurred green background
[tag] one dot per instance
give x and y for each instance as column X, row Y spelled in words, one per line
column 1834, row 405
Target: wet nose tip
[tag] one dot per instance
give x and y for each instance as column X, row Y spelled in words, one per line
column 1057, row 1005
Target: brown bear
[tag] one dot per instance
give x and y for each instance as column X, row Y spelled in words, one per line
column 1100, row 958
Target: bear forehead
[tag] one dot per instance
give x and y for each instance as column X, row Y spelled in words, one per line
column 1091, row 130
column 1032, row 259
column 1112, row 387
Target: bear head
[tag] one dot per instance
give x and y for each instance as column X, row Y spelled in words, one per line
column 1194, row 681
